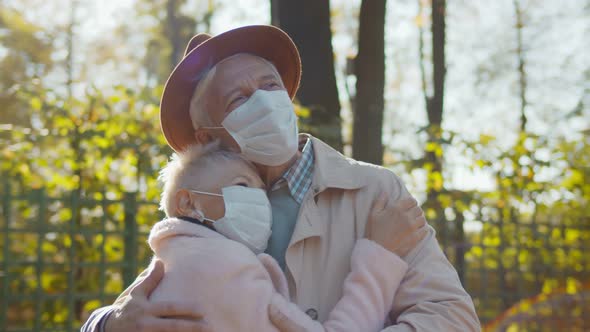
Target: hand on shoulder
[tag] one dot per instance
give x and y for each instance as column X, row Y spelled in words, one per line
column 398, row 226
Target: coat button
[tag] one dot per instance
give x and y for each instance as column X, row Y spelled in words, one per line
column 312, row 313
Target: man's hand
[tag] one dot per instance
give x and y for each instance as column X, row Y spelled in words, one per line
column 397, row 226
column 287, row 317
column 281, row 321
column 133, row 311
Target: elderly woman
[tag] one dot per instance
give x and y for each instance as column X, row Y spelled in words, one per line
column 320, row 200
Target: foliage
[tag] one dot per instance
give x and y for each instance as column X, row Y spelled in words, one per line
column 28, row 52
column 79, row 189
column 93, row 164
column 528, row 235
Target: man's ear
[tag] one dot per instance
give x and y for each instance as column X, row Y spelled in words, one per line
column 187, row 204
column 202, row 136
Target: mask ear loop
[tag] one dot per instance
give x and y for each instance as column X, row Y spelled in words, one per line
column 204, row 193
column 202, row 217
column 224, row 137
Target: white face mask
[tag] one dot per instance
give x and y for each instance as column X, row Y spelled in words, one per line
column 265, row 127
column 247, row 218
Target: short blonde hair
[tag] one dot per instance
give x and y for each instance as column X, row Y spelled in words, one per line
column 199, row 117
column 184, row 168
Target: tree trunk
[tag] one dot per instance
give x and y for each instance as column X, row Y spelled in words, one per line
column 433, row 152
column 308, row 24
column 434, row 105
column 435, row 111
column 173, row 30
column 370, row 83
column 521, row 65
column 274, row 12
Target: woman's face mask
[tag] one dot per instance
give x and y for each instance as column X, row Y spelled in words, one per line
column 247, row 218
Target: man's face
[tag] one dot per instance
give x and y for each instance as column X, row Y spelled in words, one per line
column 235, row 80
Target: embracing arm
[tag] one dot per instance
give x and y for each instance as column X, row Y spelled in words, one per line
column 95, row 322
column 369, row 289
column 132, row 310
column 368, row 292
column 431, row 297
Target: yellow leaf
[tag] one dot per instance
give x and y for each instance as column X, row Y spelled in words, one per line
column 67, row 241
column 431, row 146
column 477, row 251
column 419, row 21
column 36, row 103
column 302, row 112
column 571, row 286
column 512, row 328
column 549, row 285
column 91, row 305
column 486, row 139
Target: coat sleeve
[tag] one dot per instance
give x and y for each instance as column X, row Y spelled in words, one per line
column 368, row 292
column 97, row 319
column 430, row 297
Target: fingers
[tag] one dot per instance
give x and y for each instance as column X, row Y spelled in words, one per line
column 276, row 274
column 420, row 222
column 281, row 321
column 145, row 287
column 174, row 309
column 173, row 325
column 421, row 233
column 380, row 203
column 415, row 212
column 407, row 203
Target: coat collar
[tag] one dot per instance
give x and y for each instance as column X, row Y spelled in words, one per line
column 175, row 226
column 332, row 169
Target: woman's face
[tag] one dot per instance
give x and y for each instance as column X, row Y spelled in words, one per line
column 224, row 174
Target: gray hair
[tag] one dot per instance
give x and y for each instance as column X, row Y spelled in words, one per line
column 185, row 168
column 198, row 113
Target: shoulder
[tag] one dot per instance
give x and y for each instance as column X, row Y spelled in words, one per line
column 372, row 178
column 334, row 170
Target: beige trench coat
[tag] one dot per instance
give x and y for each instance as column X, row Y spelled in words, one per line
column 332, row 218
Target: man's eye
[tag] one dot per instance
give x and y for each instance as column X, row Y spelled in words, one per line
column 271, row 85
column 243, row 184
column 237, row 99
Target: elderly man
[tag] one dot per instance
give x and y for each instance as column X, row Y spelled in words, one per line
column 237, row 87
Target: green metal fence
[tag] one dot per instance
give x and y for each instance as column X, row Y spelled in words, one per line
column 58, row 264
column 62, row 257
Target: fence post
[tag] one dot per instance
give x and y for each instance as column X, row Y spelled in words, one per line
column 6, row 214
column 72, row 269
column 130, row 238
column 38, row 195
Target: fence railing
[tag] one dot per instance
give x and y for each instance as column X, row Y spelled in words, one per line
column 63, row 257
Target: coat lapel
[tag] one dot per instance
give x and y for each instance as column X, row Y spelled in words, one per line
column 331, row 170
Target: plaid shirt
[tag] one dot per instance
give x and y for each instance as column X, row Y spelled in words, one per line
column 298, row 177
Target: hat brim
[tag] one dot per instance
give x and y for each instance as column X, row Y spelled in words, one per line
column 265, row 41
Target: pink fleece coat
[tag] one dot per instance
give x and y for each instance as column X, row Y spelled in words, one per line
column 233, row 288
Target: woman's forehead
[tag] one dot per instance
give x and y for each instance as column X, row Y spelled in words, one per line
column 221, row 173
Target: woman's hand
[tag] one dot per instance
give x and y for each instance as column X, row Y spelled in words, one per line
column 397, row 226
column 134, row 312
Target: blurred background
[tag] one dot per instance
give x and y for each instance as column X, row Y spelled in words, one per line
column 482, row 107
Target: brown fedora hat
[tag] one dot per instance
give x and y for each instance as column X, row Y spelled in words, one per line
column 202, row 53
